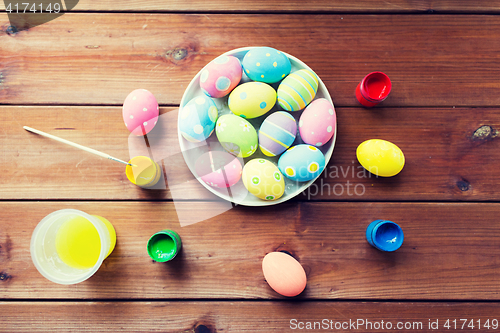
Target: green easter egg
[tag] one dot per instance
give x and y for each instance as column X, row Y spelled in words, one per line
column 236, row 135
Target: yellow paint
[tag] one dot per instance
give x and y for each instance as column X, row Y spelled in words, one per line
column 78, row 243
column 145, row 173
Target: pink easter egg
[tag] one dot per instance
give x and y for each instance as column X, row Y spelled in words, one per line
column 284, row 274
column 220, row 76
column 318, row 122
column 140, row 112
column 218, row 169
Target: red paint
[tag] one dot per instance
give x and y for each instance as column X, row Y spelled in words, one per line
column 373, row 89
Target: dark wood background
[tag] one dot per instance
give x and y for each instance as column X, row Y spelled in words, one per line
column 69, row 77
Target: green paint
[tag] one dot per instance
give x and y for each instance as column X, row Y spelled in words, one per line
column 164, row 245
column 163, row 248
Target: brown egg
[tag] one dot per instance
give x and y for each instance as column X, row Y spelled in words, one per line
column 284, row 274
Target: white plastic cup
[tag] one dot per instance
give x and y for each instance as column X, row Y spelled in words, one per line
column 44, row 253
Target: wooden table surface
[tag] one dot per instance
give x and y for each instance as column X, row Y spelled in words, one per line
column 70, row 76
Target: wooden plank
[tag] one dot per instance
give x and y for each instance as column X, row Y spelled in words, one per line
column 37, row 167
column 99, row 58
column 362, row 6
column 208, row 317
column 450, row 251
column 449, row 156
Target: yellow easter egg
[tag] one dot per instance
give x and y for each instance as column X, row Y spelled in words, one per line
column 252, row 99
column 263, row 179
column 380, row 157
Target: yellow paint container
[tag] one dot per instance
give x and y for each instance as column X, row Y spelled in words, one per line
column 146, row 172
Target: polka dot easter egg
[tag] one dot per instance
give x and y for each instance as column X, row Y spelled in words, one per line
column 297, row 90
column 197, row 119
column 277, row 133
column 302, row 163
column 263, row 179
column 265, row 64
column 318, row 122
column 236, row 135
column 218, row 169
column 220, row 76
column 140, row 112
column 252, row 99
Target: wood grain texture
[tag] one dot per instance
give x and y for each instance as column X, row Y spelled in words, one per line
column 362, row 6
column 450, row 251
column 209, row 317
column 99, row 58
column 451, row 155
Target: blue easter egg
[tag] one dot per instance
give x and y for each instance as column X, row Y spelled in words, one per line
column 197, row 119
column 302, row 163
column 265, row 64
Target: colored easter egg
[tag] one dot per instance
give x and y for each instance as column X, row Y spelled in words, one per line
column 380, row 157
column 218, row 169
column 140, row 112
column 252, row 99
column 302, row 163
column 297, row 90
column 197, row 119
column 220, row 76
column 318, row 122
column 284, row 274
column 263, row 179
column 236, row 135
column 277, row 133
column 265, row 64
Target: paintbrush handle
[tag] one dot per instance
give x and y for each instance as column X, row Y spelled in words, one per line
column 76, row 145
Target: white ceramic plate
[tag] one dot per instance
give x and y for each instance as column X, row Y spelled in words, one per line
column 238, row 193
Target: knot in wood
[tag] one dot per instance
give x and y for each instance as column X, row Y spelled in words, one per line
column 202, row 329
column 11, row 30
column 179, row 53
column 484, row 133
column 463, row 185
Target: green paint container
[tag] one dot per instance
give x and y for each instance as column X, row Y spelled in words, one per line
column 164, row 245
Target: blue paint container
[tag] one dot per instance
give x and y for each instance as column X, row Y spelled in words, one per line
column 384, row 235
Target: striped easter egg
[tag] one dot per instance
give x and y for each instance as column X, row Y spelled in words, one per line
column 297, row 90
column 277, row 133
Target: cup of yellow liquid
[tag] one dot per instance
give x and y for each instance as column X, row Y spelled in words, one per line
column 68, row 246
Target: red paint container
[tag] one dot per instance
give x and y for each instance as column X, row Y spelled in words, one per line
column 373, row 89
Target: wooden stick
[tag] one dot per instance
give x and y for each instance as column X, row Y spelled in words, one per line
column 76, row 145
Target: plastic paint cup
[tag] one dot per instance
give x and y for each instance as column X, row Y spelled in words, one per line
column 68, row 246
column 164, row 245
column 384, row 235
column 373, row 89
column 145, row 174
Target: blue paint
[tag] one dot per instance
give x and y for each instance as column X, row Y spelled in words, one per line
column 384, row 235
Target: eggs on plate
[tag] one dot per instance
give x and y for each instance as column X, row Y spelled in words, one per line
column 263, row 179
column 262, row 93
